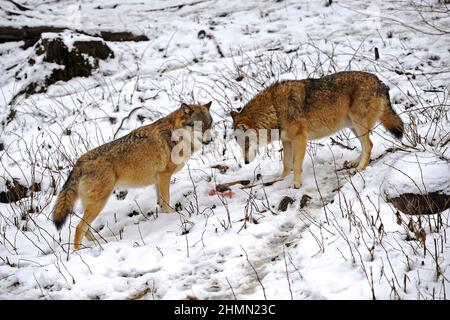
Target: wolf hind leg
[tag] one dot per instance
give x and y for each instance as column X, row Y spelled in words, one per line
column 363, row 135
column 95, row 190
column 92, row 209
column 348, row 164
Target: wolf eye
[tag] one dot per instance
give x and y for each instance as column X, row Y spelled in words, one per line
column 241, row 127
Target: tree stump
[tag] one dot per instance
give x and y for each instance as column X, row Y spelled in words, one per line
column 78, row 59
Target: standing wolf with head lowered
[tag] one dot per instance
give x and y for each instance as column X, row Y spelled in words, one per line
column 140, row 158
column 316, row 108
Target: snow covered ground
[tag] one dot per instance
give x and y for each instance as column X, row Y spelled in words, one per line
column 346, row 242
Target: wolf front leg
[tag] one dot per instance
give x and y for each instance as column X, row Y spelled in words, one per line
column 164, row 191
column 299, row 148
column 158, row 195
column 287, row 158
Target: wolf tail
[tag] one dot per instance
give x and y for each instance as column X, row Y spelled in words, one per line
column 390, row 120
column 67, row 197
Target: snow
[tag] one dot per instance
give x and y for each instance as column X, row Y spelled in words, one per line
column 345, row 242
column 418, row 173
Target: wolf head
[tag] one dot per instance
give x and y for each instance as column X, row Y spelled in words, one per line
column 197, row 119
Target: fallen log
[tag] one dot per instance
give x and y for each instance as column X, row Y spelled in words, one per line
column 421, row 204
column 31, row 35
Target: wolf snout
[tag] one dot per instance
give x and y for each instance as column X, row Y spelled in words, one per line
column 207, row 141
column 208, row 136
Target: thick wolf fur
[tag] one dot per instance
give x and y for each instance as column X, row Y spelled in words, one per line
column 315, row 108
column 140, row 158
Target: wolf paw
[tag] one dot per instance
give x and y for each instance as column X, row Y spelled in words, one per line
column 297, row 184
column 351, row 164
column 354, row 167
column 167, row 210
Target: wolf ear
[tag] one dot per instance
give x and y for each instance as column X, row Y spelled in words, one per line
column 234, row 113
column 186, row 109
column 208, row 105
